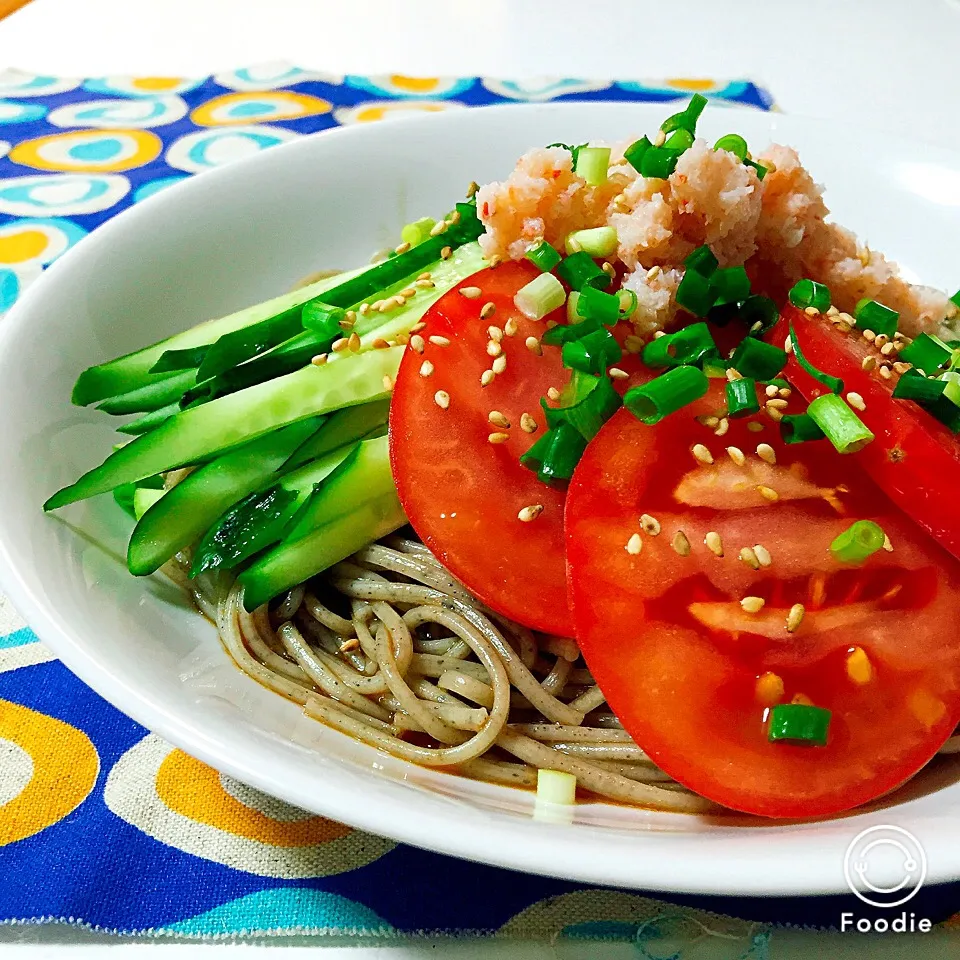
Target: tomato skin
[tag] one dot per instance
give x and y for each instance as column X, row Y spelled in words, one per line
column 686, row 687
column 915, row 459
column 462, row 494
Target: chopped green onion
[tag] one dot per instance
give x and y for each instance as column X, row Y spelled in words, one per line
column 759, row 310
column 588, row 403
column 628, row 303
column 951, row 386
column 596, row 305
column 955, row 299
column 729, row 285
column 418, row 231
column 947, row 412
column 321, row 317
column 658, row 163
column 694, row 293
column 634, row 153
column 687, row 118
column 556, row 786
column 572, row 316
column 573, row 151
column 556, row 454
column 742, row 397
column 598, row 241
column 734, row 143
column 843, row 428
column 540, row 296
column 544, row 256
column 579, row 271
column 563, row 333
column 757, row 359
column 592, row 353
column 715, row 367
column 809, row 293
column 758, row 167
column 913, row 385
column 858, row 542
column 592, row 164
column 799, row 428
column 871, row 315
column 832, row 383
column 702, row 261
column 687, row 346
column 669, row 392
column 799, row 723
column 679, row 140
column 777, row 382
column 927, row 353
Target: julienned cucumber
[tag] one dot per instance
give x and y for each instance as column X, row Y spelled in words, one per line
column 356, row 504
column 132, row 371
column 202, row 432
column 183, row 514
column 159, row 392
column 149, row 421
column 261, row 519
column 342, row 427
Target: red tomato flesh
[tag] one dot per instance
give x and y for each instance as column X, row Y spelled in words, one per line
column 915, row 459
column 462, row 493
column 678, row 657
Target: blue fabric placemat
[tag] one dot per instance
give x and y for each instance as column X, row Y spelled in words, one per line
column 107, row 826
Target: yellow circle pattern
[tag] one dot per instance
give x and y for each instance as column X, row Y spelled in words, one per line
column 89, row 151
column 240, row 108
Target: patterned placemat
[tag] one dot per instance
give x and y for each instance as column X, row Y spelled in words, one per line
column 105, row 825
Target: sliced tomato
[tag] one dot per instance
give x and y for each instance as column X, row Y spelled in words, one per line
column 462, row 493
column 915, row 459
column 692, row 674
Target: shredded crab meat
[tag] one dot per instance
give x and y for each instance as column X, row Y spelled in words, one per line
column 710, row 198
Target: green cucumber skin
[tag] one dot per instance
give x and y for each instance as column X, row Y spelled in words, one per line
column 203, row 431
column 356, row 504
column 344, row 426
column 149, row 421
column 132, row 370
column 160, row 392
column 185, row 512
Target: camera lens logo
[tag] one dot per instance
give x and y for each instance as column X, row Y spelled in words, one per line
column 885, row 866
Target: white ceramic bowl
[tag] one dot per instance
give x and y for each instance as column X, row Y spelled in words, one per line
column 245, row 232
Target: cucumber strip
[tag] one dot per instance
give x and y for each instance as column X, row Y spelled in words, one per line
column 150, row 420
column 344, row 426
column 132, row 371
column 261, row 519
column 160, row 392
column 186, row 359
column 185, row 512
column 211, row 428
column 126, row 493
column 357, row 504
column 144, row 498
column 298, row 350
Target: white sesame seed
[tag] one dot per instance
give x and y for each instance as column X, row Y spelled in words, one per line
column 349, row 645
column 495, row 333
column 714, row 543
column 402, row 248
column 659, row 333
column 354, row 342
column 533, row 345
column 763, row 554
column 319, row 360
column 776, row 404
column 768, row 493
column 387, row 382
column 439, row 341
column 788, row 345
column 869, row 363
column 887, row 545
column 454, row 217
column 499, row 364
column 446, row 253
column 869, row 335
column 785, row 393
column 511, row 327
column 426, row 368
column 709, row 421
column 633, row 344
column 488, row 310
column 881, row 341
column 755, row 427
column 486, row 378
column 442, row 399
column 856, row 401
column 426, row 275
column 650, row 525
column 417, row 327
column 493, row 348
column 380, row 344
column 752, row 604
column 885, row 372
column 528, row 424
column 733, row 374
column 681, row 544
column 653, row 273
column 832, row 311
column 408, row 292
column 634, row 545
column 722, row 427
column 608, row 268
column 471, row 293
column 346, row 324
column 364, row 308
column 553, row 394
column 530, row 513
column 736, row 455
column 339, row 345
column 660, row 139
column 417, row 343
column 795, row 617
column 438, row 228
column 617, row 374
column 774, row 414
column 771, row 390
column 844, row 327
column 811, row 311
column 749, row 557
column 498, row 419
column 498, row 437
column 901, row 367
column 424, row 284
column 766, row 452
column 701, row 453
column 472, row 189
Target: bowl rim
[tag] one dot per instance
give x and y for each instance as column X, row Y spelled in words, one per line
column 496, row 839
